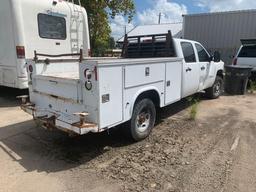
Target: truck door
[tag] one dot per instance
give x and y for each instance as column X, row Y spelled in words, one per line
column 204, row 64
column 190, row 70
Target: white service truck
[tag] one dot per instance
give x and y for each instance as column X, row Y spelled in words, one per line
column 94, row 95
column 54, row 26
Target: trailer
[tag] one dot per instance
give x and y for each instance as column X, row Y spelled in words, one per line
column 94, row 95
column 46, row 26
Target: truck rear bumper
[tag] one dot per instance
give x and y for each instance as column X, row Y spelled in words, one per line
column 51, row 120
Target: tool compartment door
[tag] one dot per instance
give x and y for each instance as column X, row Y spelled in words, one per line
column 144, row 74
column 111, row 95
column 173, row 82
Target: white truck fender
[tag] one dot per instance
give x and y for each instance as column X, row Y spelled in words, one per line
column 140, row 92
column 219, row 67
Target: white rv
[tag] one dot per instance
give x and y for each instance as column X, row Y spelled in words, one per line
column 52, row 26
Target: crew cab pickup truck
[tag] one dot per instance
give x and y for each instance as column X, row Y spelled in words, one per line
column 246, row 55
column 96, row 94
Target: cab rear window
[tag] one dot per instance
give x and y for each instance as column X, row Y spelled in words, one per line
column 248, row 51
column 52, row 27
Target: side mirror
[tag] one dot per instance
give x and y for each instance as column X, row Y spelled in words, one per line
column 210, row 59
column 216, row 57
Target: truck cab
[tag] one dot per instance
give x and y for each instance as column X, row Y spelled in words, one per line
column 199, row 67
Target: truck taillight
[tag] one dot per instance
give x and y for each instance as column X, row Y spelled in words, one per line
column 20, row 50
column 235, row 61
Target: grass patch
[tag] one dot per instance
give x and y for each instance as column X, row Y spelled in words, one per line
column 252, row 86
column 194, row 102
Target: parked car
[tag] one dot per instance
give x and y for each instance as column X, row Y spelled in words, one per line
column 246, row 55
column 94, row 95
column 46, row 26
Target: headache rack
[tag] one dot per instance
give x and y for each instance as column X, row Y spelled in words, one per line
column 147, row 46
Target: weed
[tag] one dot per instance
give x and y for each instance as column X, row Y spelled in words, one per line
column 194, row 107
column 252, row 86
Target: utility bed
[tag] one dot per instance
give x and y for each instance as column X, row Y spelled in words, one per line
column 94, row 94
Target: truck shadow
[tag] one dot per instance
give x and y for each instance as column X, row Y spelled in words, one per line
column 52, row 151
column 8, row 96
column 37, row 149
column 172, row 110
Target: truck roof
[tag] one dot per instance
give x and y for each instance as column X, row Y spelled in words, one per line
column 17, row 2
column 248, row 41
column 185, row 40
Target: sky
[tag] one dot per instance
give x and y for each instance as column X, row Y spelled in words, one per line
column 147, row 11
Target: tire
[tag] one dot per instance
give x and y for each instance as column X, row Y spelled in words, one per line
column 143, row 119
column 216, row 90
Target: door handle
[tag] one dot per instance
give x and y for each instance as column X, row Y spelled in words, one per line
column 203, row 68
column 188, row 69
column 51, row 81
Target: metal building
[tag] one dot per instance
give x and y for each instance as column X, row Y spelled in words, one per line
column 221, row 31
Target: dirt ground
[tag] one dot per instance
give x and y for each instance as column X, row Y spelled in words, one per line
column 216, row 152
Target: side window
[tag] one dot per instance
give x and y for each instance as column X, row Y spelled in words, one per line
column 188, row 52
column 202, row 54
column 51, row 27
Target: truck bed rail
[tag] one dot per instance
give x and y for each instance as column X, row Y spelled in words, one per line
column 48, row 61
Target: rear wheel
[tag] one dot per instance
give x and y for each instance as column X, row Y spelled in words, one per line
column 143, row 119
column 216, row 90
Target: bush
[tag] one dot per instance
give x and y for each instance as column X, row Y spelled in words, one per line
column 252, row 86
column 194, row 101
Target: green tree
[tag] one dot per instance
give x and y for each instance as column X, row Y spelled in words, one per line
column 111, row 43
column 99, row 12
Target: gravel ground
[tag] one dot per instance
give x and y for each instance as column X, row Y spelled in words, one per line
column 216, row 152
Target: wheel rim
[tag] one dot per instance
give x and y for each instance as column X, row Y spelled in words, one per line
column 143, row 120
column 217, row 88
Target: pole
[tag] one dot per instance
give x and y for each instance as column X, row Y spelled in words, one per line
column 159, row 20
